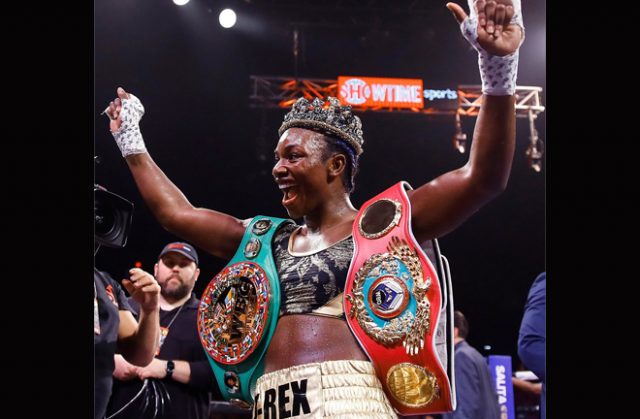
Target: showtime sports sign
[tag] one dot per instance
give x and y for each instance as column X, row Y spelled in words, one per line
column 379, row 92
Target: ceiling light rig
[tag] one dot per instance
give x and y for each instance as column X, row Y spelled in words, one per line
column 528, row 105
column 535, row 150
column 459, row 138
column 281, row 92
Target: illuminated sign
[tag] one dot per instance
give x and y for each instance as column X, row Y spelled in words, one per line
column 381, row 92
column 500, row 368
column 439, row 98
column 433, row 94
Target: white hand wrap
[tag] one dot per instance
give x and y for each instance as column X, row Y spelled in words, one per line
column 498, row 74
column 129, row 137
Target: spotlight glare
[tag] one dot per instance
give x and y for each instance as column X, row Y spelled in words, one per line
column 180, row 2
column 459, row 138
column 227, row 18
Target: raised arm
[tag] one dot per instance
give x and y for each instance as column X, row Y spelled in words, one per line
column 213, row 231
column 494, row 28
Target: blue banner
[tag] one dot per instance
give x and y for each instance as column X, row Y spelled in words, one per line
column 500, row 367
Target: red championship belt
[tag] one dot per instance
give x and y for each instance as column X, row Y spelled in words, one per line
column 392, row 304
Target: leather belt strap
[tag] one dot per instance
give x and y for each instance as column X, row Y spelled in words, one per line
column 239, row 311
column 393, row 302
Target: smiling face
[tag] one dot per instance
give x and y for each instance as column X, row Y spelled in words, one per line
column 300, row 172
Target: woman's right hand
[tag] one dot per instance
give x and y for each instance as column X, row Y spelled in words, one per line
column 114, row 109
column 125, row 113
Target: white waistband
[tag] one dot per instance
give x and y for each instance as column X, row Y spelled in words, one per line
column 323, row 390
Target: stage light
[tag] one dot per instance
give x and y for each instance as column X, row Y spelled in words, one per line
column 534, row 153
column 180, row 2
column 227, row 18
column 535, row 150
column 459, row 138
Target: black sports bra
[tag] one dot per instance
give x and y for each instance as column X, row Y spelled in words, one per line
column 311, row 283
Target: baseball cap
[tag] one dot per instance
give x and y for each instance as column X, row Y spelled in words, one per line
column 184, row 249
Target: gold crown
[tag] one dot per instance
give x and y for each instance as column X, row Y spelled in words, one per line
column 329, row 118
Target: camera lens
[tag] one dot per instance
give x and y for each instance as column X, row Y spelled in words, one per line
column 104, row 219
column 112, row 218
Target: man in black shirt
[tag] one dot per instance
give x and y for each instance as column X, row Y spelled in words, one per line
column 178, row 381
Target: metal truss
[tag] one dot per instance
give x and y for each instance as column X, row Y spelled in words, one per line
column 281, row 92
column 527, row 100
column 527, row 106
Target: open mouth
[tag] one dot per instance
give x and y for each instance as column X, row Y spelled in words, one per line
column 289, row 195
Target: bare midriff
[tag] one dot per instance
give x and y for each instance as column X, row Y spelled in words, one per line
column 302, row 339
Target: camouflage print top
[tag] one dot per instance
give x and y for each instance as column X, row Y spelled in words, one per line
column 311, row 283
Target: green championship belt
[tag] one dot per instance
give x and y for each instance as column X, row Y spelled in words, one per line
column 239, row 310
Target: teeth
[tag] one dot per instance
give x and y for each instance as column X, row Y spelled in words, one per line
column 288, row 191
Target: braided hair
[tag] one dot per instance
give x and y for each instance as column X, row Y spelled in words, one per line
column 336, row 145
